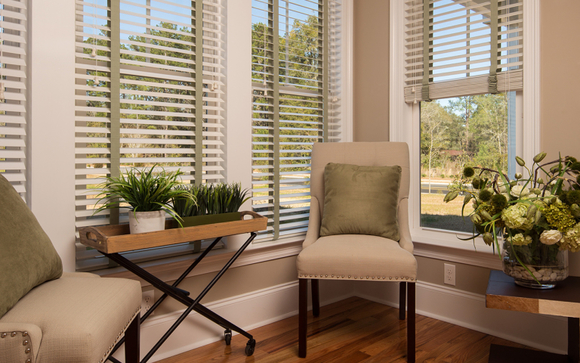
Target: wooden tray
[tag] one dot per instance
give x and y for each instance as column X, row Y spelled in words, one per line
column 116, row 238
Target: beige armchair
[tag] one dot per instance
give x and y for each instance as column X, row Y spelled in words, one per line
column 340, row 249
column 48, row 316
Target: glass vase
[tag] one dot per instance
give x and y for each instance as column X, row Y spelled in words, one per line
column 535, row 265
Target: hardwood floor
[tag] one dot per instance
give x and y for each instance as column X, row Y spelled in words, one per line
column 352, row 330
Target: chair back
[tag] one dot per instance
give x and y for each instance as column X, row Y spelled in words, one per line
column 360, row 153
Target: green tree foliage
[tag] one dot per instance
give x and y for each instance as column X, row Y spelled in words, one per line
column 300, row 73
column 469, row 130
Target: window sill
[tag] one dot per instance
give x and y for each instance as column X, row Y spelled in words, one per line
column 457, row 251
column 170, row 269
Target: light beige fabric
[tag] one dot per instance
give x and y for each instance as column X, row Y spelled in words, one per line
column 80, row 318
column 357, row 257
column 357, row 153
column 16, row 339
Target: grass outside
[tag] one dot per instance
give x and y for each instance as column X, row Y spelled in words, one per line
column 437, row 214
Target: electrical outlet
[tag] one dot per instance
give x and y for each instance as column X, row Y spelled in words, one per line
column 147, row 301
column 449, row 274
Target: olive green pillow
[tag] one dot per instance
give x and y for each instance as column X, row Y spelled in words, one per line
column 361, row 200
column 27, row 257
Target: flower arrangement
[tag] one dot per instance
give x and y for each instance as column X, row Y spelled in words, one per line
column 538, row 216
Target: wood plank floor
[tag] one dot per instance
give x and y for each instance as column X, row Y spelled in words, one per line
column 353, row 330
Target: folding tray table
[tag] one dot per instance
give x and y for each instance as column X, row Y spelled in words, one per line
column 113, row 239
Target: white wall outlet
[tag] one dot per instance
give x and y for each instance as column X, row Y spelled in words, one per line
column 147, row 301
column 449, row 274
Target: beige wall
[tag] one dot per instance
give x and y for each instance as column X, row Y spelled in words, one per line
column 236, row 281
column 371, row 70
column 560, row 73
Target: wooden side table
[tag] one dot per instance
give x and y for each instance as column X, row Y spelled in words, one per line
column 564, row 300
column 114, row 239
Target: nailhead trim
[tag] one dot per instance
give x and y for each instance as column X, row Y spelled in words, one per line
column 352, row 277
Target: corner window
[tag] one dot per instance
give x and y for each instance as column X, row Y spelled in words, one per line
column 457, row 98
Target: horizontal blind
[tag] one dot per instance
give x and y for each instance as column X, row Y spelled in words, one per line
column 149, row 91
column 466, row 48
column 13, row 97
column 296, row 102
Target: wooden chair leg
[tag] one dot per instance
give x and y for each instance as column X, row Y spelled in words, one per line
column 315, row 297
column 402, row 302
column 302, row 318
column 132, row 344
column 411, row 322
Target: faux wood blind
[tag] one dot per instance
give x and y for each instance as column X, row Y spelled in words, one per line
column 13, row 96
column 462, row 47
column 296, row 103
column 149, row 90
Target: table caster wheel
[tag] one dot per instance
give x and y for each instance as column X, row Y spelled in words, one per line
column 250, row 347
column 228, row 337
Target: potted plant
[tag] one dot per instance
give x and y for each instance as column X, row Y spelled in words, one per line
column 209, row 203
column 538, row 216
column 149, row 195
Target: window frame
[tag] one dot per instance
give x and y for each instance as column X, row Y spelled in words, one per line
column 404, row 126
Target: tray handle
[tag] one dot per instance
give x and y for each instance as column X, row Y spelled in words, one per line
column 253, row 214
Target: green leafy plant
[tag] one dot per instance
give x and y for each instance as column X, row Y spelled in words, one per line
column 144, row 190
column 537, row 216
column 211, row 199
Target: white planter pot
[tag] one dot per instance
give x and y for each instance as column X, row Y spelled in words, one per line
column 234, row 242
column 142, row 222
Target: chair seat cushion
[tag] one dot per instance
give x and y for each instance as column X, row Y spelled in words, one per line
column 356, row 257
column 80, row 318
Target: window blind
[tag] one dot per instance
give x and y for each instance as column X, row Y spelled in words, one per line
column 296, row 102
column 149, row 91
column 13, row 97
column 462, row 47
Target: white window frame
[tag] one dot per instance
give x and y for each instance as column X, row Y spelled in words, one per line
column 404, row 126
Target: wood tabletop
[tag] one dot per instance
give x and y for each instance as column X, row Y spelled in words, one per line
column 116, row 238
column 563, row 300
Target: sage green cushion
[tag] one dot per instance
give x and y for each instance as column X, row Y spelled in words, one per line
column 27, row 257
column 361, row 200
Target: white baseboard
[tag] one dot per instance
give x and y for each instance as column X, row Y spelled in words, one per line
column 272, row 304
column 468, row 310
column 248, row 311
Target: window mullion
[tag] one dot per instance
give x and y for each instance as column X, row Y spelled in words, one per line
column 275, row 26
column 115, row 86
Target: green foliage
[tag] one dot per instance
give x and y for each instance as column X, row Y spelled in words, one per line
column 143, row 189
column 469, row 131
column 210, row 199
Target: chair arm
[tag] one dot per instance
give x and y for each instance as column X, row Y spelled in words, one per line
column 12, row 347
column 313, row 232
column 405, row 241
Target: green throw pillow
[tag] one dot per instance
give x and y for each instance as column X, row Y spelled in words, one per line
column 361, row 200
column 27, row 257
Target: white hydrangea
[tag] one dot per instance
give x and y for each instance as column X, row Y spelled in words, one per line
column 550, row 237
column 519, row 191
column 516, row 217
column 520, row 240
column 571, row 239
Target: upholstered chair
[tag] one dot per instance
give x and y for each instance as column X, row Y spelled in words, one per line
column 48, row 316
column 358, row 228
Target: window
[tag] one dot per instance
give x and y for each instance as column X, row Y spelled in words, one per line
column 13, row 96
column 149, row 90
column 473, row 55
column 296, row 102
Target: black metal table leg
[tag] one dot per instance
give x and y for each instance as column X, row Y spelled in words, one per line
column 182, row 296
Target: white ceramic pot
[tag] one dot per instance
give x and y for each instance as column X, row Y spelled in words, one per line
column 142, row 222
column 234, row 242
